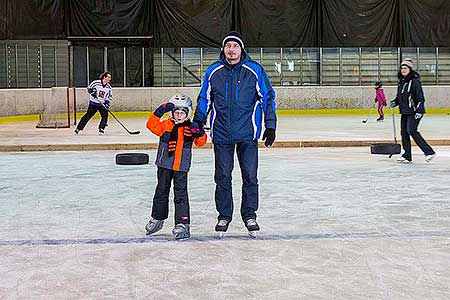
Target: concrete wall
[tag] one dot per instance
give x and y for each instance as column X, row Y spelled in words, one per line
column 31, row 101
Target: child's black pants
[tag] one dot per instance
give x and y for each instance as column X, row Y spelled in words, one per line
column 160, row 209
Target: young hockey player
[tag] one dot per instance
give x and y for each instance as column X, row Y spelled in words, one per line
column 173, row 160
column 100, row 92
column 380, row 99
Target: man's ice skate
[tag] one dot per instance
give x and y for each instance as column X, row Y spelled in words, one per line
column 222, row 227
column 153, row 226
column 252, row 227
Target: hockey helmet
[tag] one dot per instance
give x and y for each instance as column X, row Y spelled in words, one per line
column 182, row 102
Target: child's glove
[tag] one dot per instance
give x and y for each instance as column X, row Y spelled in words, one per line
column 269, row 137
column 163, row 108
column 196, row 130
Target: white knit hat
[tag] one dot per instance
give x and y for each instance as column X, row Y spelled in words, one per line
column 407, row 62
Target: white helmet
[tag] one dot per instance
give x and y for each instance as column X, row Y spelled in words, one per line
column 181, row 101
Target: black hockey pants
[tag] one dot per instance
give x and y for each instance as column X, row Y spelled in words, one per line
column 92, row 109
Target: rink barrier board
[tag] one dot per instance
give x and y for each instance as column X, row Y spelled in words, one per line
column 285, row 112
column 153, row 146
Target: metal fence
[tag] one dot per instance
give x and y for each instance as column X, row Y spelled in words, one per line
column 34, row 64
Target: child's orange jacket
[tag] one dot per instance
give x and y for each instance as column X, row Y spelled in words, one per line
column 175, row 146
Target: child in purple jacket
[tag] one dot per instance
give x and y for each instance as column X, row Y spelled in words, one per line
column 380, row 99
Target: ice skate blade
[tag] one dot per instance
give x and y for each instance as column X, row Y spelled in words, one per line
column 221, row 235
column 252, row 234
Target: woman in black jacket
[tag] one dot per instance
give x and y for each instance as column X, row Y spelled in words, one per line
column 410, row 101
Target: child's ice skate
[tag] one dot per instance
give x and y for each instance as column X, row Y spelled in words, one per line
column 181, row 231
column 252, row 227
column 153, row 226
column 380, row 119
column 222, row 227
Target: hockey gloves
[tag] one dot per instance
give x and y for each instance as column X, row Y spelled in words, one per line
column 196, row 130
column 269, row 137
column 93, row 92
column 107, row 104
column 163, row 108
column 417, row 116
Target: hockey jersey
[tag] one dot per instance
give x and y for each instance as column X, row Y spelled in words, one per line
column 103, row 93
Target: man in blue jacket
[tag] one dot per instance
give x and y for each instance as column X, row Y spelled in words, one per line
column 237, row 94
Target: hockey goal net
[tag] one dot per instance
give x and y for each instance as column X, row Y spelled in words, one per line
column 58, row 103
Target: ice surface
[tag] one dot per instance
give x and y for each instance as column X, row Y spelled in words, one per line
column 337, row 223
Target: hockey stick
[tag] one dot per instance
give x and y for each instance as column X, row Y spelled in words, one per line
column 130, row 132
column 370, row 110
column 398, row 149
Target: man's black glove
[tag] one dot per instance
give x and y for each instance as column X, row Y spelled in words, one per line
column 269, row 137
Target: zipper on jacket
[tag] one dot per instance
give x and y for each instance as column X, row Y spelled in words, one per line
column 229, row 106
column 237, row 86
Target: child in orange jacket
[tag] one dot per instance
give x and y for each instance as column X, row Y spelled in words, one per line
column 173, row 161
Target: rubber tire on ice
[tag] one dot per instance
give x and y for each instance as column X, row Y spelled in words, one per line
column 385, row 148
column 132, row 158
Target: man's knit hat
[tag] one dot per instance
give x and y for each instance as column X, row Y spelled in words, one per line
column 407, row 62
column 235, row 37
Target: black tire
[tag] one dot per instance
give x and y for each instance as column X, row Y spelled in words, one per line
column 132, row 159
column 385, row 148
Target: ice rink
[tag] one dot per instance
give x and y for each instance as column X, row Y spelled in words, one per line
column 336, row 223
